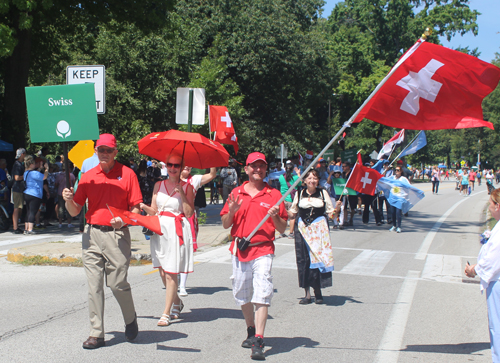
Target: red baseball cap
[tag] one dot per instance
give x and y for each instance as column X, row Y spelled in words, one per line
column 253, row 157
column 106, row 140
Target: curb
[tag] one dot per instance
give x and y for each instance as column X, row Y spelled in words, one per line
column 69, row 253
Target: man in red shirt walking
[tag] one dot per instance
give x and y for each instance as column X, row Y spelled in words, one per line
column 106, row 240
column 246, row 206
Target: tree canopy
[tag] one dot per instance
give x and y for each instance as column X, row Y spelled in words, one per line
column 277, row 65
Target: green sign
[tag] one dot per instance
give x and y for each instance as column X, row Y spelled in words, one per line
column 328, row 155
column 349, row 156
column 62, row 113
column 339, row 185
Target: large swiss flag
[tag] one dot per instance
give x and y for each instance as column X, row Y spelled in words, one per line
column 363, row 179
column 434, row 88
column 222, row 125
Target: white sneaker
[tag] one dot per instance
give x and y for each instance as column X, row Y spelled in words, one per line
column 182, row 292
column 398, row 230
column 60, row 225
column 392, row 229
column 70, row 225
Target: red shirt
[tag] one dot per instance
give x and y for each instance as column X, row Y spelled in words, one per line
column 251, row 212
column 119, row 188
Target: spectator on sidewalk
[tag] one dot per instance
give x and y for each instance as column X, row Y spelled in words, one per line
column 18, row 189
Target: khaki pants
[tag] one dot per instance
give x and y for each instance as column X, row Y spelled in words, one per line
column 106, row 257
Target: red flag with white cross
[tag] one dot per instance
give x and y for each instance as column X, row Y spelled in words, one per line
column 363, row 179
column 433, row 88
column 222, row 125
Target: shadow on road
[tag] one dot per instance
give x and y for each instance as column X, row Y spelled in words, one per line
column 462, row 348
column 339, row 300
column 148, row 337
column 285, row 345
column 207, row 290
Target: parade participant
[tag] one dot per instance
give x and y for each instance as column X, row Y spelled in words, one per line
column 286, row 181
column 472, row 179
column 488, row 270
column 61, row 184
column 229, row 178
column 479, row 176
column 33, row 193
column 397, row 214
column 349, row 201
column 17, row 195
column 106, row 243
column 313, row 206
column 196, row 181
column 172, row 253
column 464, row 187
column 246, row 207
column 435, row 178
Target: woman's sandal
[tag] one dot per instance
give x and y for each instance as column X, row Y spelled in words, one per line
column 176, row 310
column 164, row 320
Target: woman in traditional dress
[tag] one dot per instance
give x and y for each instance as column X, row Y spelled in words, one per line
column 313, row 248
column 172, row 253
column 488, row 269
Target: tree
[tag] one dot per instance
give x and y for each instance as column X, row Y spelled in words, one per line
column 31, row 31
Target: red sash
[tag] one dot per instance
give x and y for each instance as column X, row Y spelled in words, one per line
column 178, row 224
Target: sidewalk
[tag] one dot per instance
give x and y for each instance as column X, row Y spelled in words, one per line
column 70, row 249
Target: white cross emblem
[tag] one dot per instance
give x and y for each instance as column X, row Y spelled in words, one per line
column 233, row 138
column 365, row 180
column 227, row 120
column 419, row 85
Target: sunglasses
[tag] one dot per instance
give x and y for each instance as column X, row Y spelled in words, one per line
column 105, row 150
column 398, row 169
column 176, row 166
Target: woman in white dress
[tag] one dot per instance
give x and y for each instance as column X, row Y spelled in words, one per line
column 172, row 253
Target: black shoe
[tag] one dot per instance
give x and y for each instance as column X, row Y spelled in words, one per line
column 18, row 231
column 93, row 343
column 131, row 330
column 258, row 349
column 247, row 343
column 319, row 301
column 305, row 301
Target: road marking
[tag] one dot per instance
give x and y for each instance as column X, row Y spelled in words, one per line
column 443, row 268
column 390, row 345
column 368, row 262
column 286, row 260
column 426, row 244
column 23, row 239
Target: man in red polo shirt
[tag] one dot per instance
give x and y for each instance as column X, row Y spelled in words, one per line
column 106, row 240
column 253, row 289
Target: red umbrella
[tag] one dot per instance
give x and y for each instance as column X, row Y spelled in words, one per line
column 197, row 150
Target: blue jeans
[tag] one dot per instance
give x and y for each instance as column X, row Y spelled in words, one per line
column 396, row 216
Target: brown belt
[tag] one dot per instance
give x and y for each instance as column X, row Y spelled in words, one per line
column 105, row 228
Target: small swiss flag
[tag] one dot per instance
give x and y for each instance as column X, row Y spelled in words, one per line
column 363, row 179
column 222, row 125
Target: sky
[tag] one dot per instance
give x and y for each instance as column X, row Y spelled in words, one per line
column 488, row 39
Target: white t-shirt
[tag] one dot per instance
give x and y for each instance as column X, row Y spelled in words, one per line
column 195, row 182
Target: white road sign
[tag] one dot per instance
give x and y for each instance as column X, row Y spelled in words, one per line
column 90, row 74
column 182, row 109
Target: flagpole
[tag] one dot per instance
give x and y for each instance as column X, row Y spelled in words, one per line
column 406, row 147
column 345, row 126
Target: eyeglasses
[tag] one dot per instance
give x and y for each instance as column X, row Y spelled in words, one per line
column 398, row 169
column 176, row 166
column 105, row 150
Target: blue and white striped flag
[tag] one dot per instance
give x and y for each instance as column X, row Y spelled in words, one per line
column 419, row 142
column 399, row 193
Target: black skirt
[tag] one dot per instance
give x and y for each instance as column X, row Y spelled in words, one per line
column 308, row 277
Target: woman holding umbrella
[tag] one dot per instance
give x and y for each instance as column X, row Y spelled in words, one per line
column 172, row 253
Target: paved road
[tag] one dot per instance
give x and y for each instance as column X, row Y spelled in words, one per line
column 395, row 298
